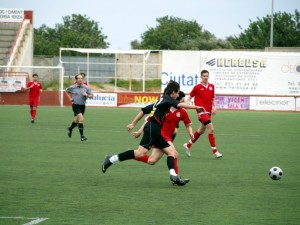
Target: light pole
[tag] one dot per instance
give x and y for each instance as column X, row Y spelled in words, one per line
column 271, row 33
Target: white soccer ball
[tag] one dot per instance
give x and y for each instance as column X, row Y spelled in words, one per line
column 275, row 173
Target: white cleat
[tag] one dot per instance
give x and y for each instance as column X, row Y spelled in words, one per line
column 218, row 155
column 187, row 150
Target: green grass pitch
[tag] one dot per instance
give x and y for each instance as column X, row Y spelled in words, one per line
column 44, row 174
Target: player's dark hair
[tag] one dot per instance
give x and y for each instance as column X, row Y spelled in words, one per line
column 180, row 96
column 35, row 75
column 204, row 71
column 171, row 86
column 83, row 74
column 78, row 75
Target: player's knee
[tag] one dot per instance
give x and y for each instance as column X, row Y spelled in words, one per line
column 151, row 162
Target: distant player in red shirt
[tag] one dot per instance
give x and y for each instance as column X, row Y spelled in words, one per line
column 84, row 82
column 204, row 94
column 35, row 89
column 168, row 131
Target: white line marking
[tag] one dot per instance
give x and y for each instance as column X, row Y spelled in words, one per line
column 34, row 220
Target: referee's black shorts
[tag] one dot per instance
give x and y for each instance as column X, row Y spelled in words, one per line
column 78, row 109
column 152, row 136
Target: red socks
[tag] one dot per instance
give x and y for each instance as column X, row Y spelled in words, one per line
column 144, row 159
column 33, row 113
column 196, row 137
column 212, row 142
column 176, row 165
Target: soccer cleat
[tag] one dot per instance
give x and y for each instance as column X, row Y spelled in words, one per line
column 69, row 132
column 176, row 180
column 186, row 180
column 83, row 138
column 32, row 120
column 187, row 150
column 107, row 163
column 218, row 155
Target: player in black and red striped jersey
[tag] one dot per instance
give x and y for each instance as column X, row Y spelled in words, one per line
column 168, row 131
column 152, row 132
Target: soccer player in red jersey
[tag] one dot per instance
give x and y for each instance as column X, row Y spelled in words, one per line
column 168, row 131
column 84, row 82
column 35, row 89
column 204, row 94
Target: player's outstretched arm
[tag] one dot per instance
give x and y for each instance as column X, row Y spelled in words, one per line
column 135, row 121
column 188, row 106
column 138, row 133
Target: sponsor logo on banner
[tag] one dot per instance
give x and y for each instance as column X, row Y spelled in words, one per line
column 138, row 100
column 103, row 99
column 235, row 72
column 232, row 102
column 12, row 84
column 272, row 103
column 11, row 15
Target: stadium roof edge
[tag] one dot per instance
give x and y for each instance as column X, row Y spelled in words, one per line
column 105, row 51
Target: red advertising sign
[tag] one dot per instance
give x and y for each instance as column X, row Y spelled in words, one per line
column 136, row 99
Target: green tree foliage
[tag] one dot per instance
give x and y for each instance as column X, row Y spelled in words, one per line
column 286, row 32
column 77, row 31
column 173, row 33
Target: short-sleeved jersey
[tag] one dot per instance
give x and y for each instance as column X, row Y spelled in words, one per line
column 162, row 107
column 172, row 120
column 203, row 95
column 76, row 91
column 152, row 130
column 35, row 90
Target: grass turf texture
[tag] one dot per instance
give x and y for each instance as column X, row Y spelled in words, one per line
column 45, row 174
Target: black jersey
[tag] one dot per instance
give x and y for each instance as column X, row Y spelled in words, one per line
column 162, row 107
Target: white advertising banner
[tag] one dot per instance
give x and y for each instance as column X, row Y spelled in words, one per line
column 103, row 99
column 181, row 66
column 235, row 72
column 272, row 103
column 298, row 104
column 12, row 84
column 11, row 15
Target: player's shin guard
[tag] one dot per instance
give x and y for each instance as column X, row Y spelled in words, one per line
column 212, row 141
column 72, row 126
column 129, row 154
column 144, row 159
column 80, row 128
column 176, row 165
column 33, row 114
column 170, row 163
column 196, row 137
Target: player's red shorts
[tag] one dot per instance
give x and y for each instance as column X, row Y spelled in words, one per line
column 34, row 101
column 204, row 117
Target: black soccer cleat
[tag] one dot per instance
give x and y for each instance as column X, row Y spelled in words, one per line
column 69, row 132
column 176, row 180
column 186, row 180
column 107, row 163
column 83, row 138
column 32, row 121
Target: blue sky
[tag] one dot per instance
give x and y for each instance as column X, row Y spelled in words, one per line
column 124, row 21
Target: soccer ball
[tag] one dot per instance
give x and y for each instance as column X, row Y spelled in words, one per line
column 275, row 173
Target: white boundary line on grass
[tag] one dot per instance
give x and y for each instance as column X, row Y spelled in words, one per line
column 34, row 220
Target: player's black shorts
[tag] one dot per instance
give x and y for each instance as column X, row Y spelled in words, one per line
column 152, row 136
column 78, row 109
